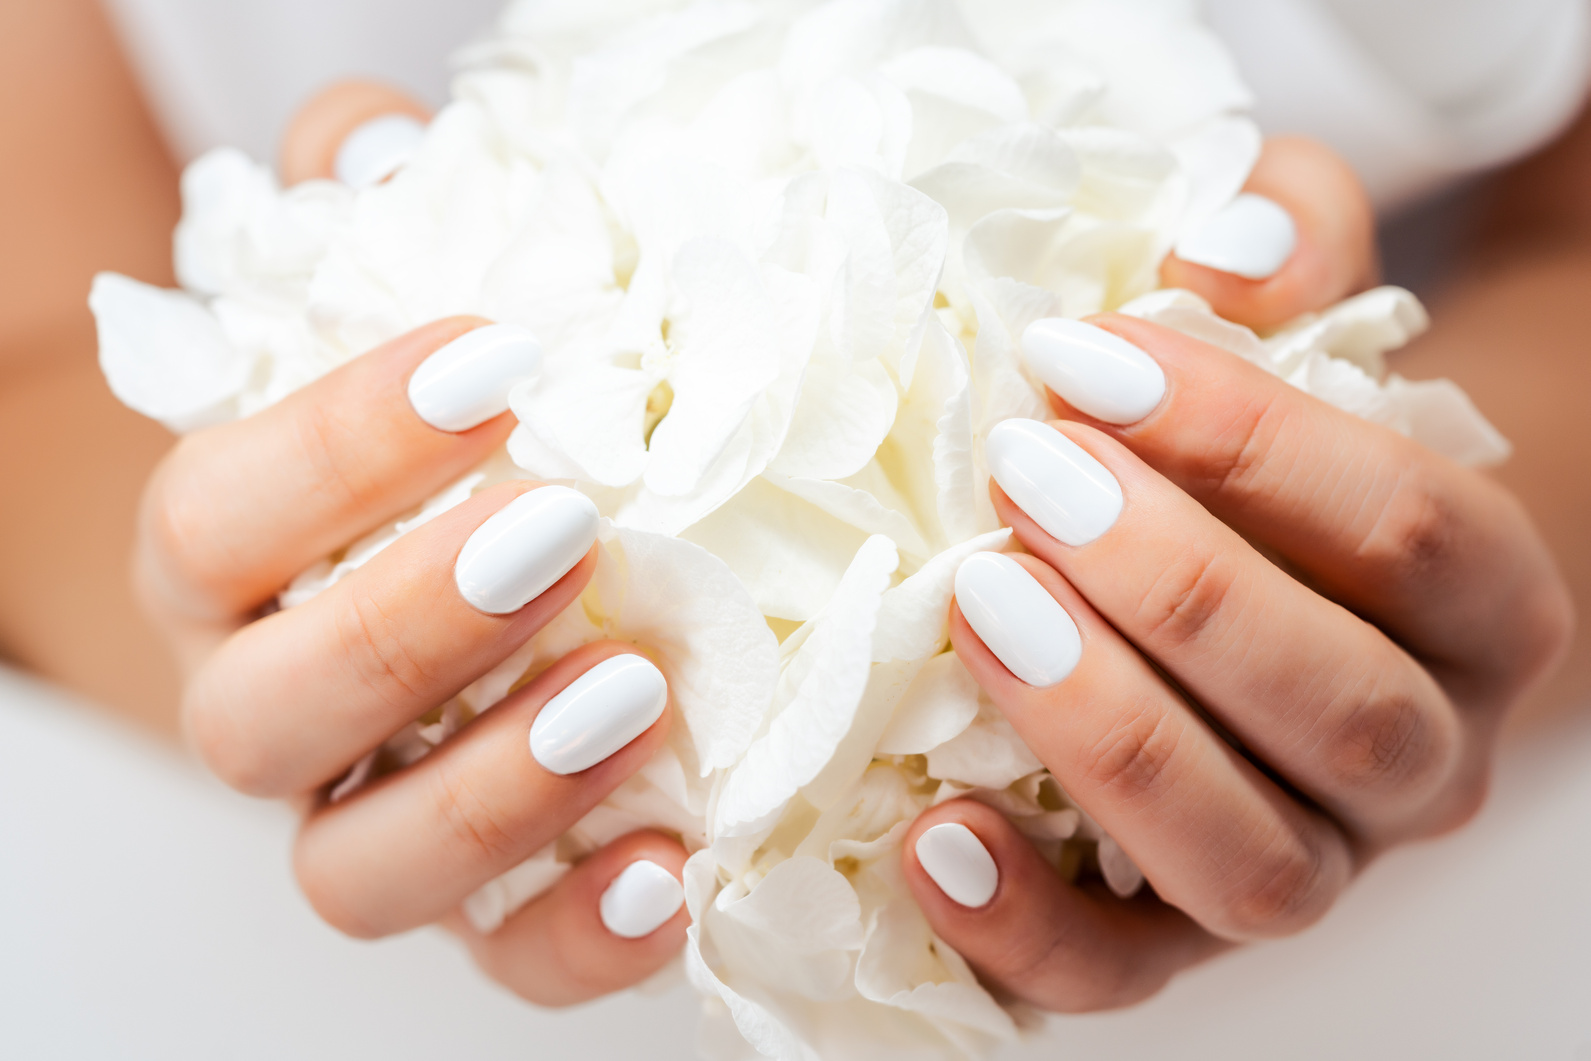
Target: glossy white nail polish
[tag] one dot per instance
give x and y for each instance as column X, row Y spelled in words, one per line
column 1251, row 237
column 958, row 862
column 1095, row 371
column 467, row 382
column 1025, row 627
column 377, row 149
column 515, row 556
column 640, row 900
column 1054, row 480
column 600, row 712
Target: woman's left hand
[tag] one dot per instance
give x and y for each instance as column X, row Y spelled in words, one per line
column 1250, row 726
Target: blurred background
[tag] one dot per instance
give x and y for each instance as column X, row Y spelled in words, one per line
column 147, row 912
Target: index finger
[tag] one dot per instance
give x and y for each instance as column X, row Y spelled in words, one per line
column 1428, row 550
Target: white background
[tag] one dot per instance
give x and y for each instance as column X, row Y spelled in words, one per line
column 147, row 913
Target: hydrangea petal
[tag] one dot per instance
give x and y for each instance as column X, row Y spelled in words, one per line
column 820, row 689
column 164, row 354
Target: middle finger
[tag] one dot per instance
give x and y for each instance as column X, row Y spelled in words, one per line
column 1314, row 691
column 293, row 700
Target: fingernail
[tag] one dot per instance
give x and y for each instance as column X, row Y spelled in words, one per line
column 600, row 712
column 958, row 862
column 466, row 383
column 640, row 900
column 1018, row 619
column 1251, row 237
column 515, row 556
column 1053, row 480
column 378, row 149
column 1095, row 371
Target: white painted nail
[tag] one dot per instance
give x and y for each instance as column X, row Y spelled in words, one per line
column 378, row 149
column 1018, row 619
column 640, row 900
column 467, row 382
column 600, row 712
column 518, row 554
column 1251, row 237
column 958, row 862
column 1054, row 480
column 1095, row 371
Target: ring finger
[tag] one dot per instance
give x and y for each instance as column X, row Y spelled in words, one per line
column 409, row 848
column 290, row 702
column 1316, row 692
column 1215, row 837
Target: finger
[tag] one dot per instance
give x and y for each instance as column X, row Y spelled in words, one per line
column 402, row 852
column 560, row 950
column 1300, row 239
column 238, row 510
column 358, row 132
column 1216, row 838
column 290, row 702
column 1313, row 690
column 1429, row 551
column 1063, row 948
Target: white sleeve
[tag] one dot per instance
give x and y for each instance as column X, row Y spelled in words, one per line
column 1415, row 93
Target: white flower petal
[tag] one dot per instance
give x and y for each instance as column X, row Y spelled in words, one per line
column 164, row 354
column 987, row 754
column 938, row 707
column 492, row 904
column 1120, row 872
column 789, row 553
column 844, row 414
column 719, row 656
column 820, row 689
column 914, row 617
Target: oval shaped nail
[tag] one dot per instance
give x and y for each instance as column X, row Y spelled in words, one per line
column 377, row 149
column 1054, row 480
column 1251, row 237
column 1015, row 616
column 1095, row 371
column 641, row 900
column 528, row 545
column 953, row 856
column 467, row 382
column 599, row 713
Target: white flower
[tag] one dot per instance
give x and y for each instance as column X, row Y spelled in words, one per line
column 779, row 254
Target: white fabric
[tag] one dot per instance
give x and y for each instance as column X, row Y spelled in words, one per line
column 146, row 914
column 1416, row 93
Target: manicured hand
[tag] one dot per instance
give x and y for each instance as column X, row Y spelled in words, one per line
column 1259, row 640
column 283, row 703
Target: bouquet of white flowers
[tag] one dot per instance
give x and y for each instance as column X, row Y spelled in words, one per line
column 780, row 255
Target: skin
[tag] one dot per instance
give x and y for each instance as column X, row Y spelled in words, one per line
column 88, row 186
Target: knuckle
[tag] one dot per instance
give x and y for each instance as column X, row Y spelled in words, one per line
column 469, row 823
column 324, row 885
column 1413, row 539
column 1388, row 740
column 1134, row 758
column 232, row 752
column 1283, row 887
column 1237, row 457
column 373, row 643
column 1186, row 600
column 178, row 526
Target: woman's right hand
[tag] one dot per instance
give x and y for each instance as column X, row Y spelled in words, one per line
column 283, row 703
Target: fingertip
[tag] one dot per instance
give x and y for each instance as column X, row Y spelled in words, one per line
column 358, row 131
column 1299, row 239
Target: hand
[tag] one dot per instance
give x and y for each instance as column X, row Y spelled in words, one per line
column 1251, row 731
column 283, row 704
